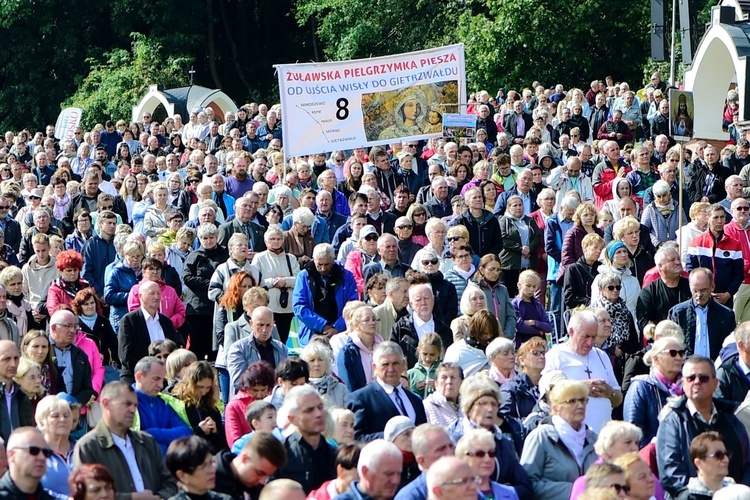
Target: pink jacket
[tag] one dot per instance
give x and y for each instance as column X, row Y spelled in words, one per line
column 235, row 423
column 95, row 358
column 171, row 305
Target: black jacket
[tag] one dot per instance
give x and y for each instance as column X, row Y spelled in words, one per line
column 520, row 396
column 405, row 335
column 733, row 384
column 484, row 237
column 104, row 337
column 373, row 408
column 226, row 483
column 300, row 465
column 721, row 322
column 446, row 297
column 716, row 191
column 82, row 389
column 656, row 299
column 199, row 267
column 577, row 283
column 13, row 234
column 133, row 340
column 21, row 414
column 8, row 489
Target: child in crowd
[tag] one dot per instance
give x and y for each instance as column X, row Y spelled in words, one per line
column 261, row 415
column 605, row 219
column 56, row 245
column 531, row 318
column 422, row 376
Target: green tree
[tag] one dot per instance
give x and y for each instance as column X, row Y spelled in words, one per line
column 115, row 85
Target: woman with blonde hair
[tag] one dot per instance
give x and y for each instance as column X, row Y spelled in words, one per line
column 639, row 478
column 584, row 222
column 176, row 364
column 36, row 347
column 354, row 361
column 29, row 377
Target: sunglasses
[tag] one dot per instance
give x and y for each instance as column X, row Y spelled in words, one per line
column 195, row 181
column 742, row 209
column 674, row 353
column 420, row 214
column 614, row 287
column 453, row 238
column 702, row 378
column 482, row 454
column 4, row 207
column 721, row 455
column 404, row 227
column 621, row 488
column 371, row 237
column 35, row 450
column 429, row 262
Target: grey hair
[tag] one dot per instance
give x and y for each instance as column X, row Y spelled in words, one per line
column 614, row 431
column 608, row 279
column 580, row 318
column 205, row 230
column 546, row 193
column 386, row 348
column 323, row 250
column 291, row 400
column 661, row 188
column 320, row 349
column 497, row 346
column 303, row 215
column 393, row 284
column 237, row 238
column 663, row 253
column 47, row 405
column 742, row 333
column 420, row 440
column 144, row 364
column 569, row 202
column 273, row 229
column 119, row 240
column 131, row 246
column 374, row 452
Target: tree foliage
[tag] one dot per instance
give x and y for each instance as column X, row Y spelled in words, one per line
column 114, row 86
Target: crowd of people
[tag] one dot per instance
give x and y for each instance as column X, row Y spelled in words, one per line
column 187, row 313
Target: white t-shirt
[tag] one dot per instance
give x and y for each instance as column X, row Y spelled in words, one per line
column 595, row 366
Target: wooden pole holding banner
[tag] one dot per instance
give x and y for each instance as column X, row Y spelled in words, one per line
column 680, row 184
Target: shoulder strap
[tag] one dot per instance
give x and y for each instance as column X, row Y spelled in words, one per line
column 288, row 263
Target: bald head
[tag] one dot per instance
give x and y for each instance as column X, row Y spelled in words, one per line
column 9, row 357
column 445, row 471
column 150, row 295
column 261, row 321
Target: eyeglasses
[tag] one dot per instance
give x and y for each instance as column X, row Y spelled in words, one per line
column 464, row 481
column 482, row 454
column 538, row 353
column 66, row 325
column 405, row 227
column 576, row 401
column 453, row 238
column 34, row 450
column 371, row 237
column 674, row 353
column 742, row 209
column 614, row 287
column 429, row 262
column 411, row 145
column 721, row 455
column 621, row 488
column 462, row 256
column 702, row 378
column 208, row 464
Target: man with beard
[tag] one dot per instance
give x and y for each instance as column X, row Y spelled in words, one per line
column 322, row 290
column 239, row 183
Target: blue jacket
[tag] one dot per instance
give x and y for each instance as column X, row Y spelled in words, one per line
column 416, row 490
column 354, row 493
column 643, row 403
column 677, row 431
column 520, row 396
column 119, row 283
column 553, row 241
column 303, row 302
column 159, row 420
column 349, row 363
column 229, row 202
column 340, row 203
column 97, row 254
column 324, row 228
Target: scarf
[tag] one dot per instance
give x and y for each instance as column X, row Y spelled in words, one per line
column 324, row 384
column 665, row 210
column 621, row 319
column 70, row 289
column 574, row 440
column 61, row 205
column 498, row 377
column 19, row 309
column 408, row 457
column 673, row 387
column 89, row 321
column 465, row 274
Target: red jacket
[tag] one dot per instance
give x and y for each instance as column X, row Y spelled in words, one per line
column 743, row 237
column 602, row 179
column 235, row 423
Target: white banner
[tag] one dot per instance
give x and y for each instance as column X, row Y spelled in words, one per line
column 345, row 105
column 67, row 121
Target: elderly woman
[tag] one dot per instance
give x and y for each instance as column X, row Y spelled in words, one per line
column 662, row 216
column 319, row 359
column 623, row 335
column 639, row 478
column 501, row 354
column 480, row 399
column 477, row 448
column 124, row 276
column 580, row 276
column 441, row 407
column 444, row 290
column 205, row 193
column 697, row 226
column 155, row 222
column 278, row 270
column 521, row 239
column 91, row 482
column 55, row 419
column 462, row 269
column 635, row 364
column 435, row 230
column 521, row 393
column 199, row 393
column 557, row 453
column 468, row 352
column 628, row 230
column 64, row 288
column 29, row 378
column 199, row 268
column 238, row 249
column 617, row 262
column 584, row 222
column 192, row 463
column 364, row 252
column 472, row 300
column 648, row 394
column 354, row 361
column 298, row 241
